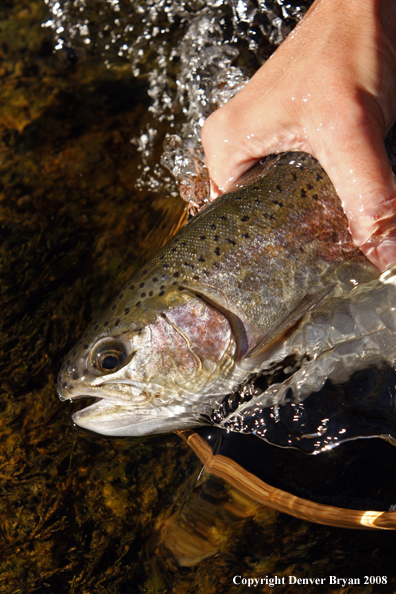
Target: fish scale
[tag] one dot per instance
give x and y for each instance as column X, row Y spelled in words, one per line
column 246, row 270
column 263, row 246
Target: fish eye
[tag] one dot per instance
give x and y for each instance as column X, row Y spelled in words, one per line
column 108, row 356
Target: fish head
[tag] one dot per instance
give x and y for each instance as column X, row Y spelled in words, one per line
column 150, row 369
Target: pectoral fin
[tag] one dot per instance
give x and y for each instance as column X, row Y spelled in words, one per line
column 308, row 302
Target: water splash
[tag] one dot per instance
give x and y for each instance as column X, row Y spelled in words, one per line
column 187, row 167
column 338, row 386
column 195, row 55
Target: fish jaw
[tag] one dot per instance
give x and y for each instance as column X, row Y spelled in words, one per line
column 134, row 409
column 112, row 419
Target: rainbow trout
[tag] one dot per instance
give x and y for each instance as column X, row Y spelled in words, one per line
column 221, row 301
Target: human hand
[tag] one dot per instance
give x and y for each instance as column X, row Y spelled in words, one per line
column 329, row 90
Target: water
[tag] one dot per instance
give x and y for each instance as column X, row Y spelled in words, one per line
column 84, row 200
column 329, row 347
column 190, row 53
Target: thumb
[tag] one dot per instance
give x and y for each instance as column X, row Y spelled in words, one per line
column 365, row 183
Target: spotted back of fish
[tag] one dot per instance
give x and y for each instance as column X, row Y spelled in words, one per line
column 255, row 252
column 259, row 247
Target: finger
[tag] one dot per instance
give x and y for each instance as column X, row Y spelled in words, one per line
column 361, row 173
column 226, row 157
column 239, row 134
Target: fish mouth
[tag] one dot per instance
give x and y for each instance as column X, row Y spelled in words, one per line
column 140, row 411
column 137, row 393
column 125, row 419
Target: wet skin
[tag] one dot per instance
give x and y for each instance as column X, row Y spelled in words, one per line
column 330, row 90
